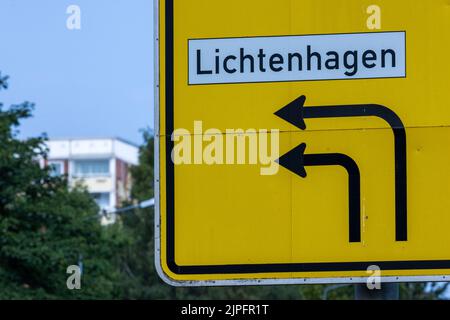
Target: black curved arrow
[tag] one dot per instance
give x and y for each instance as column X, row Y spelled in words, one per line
column 295, row 113
column 296, row 160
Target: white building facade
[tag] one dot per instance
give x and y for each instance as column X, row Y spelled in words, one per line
column 101, row 165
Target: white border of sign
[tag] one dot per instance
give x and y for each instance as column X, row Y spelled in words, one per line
column 236, row 282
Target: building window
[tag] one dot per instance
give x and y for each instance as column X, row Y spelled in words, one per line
column 56, row 168
column 91, row 168
column 102, row 199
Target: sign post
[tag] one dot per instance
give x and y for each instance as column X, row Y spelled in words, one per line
column 302, row 142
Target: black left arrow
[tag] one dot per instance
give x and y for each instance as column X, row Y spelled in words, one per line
column 296, row 160
column 295, row 112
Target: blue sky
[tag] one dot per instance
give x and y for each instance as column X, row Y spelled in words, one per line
column 97, row 81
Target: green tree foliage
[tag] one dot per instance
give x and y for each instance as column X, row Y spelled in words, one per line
column 45, row 226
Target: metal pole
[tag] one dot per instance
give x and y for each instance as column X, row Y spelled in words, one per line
column 388, row 291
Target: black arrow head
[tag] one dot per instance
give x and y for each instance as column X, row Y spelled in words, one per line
column 294, row 160
column 293, row 112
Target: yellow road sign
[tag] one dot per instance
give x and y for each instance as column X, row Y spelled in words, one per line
column 302, row 141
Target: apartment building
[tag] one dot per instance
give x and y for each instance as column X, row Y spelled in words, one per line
column 102, row 165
